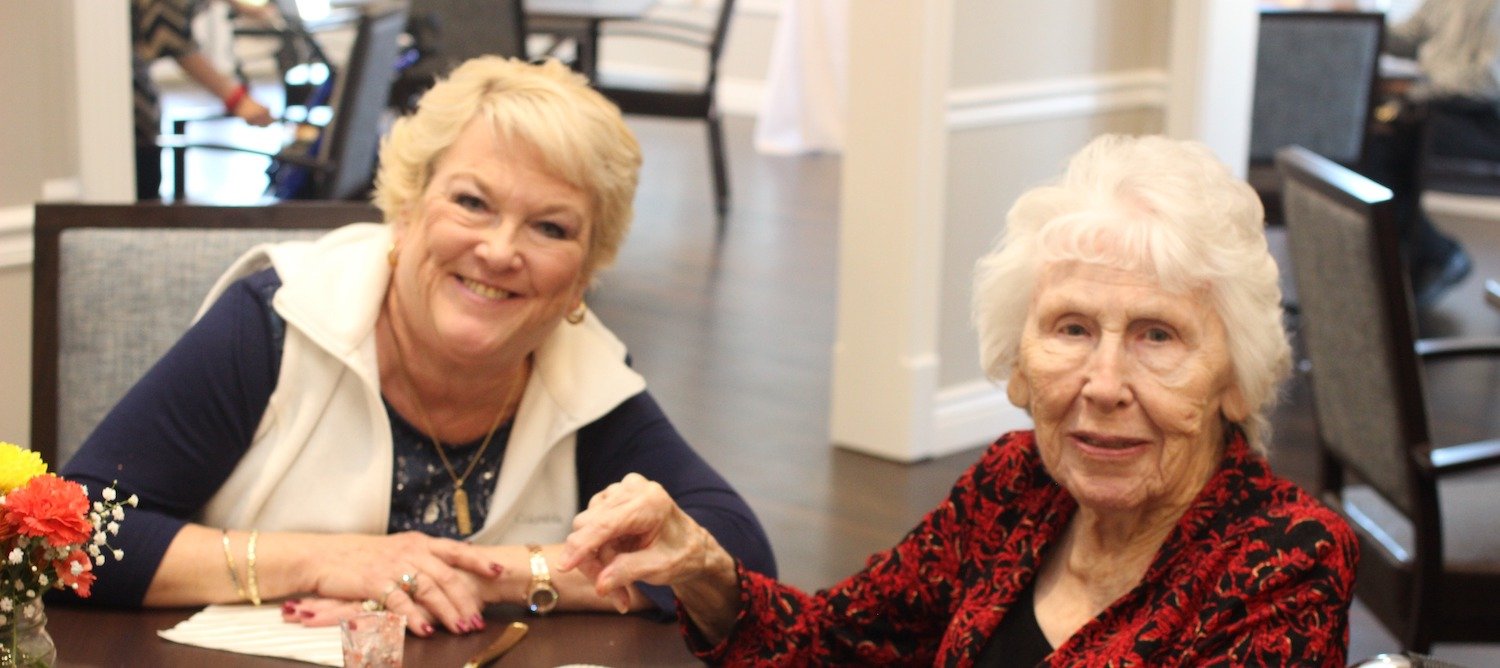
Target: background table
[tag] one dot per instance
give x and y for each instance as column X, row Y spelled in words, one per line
column 98, row 637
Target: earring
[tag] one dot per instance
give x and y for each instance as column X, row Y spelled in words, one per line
column 576, row 316
column 390, row 256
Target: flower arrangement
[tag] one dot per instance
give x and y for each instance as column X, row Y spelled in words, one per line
column 51, row 537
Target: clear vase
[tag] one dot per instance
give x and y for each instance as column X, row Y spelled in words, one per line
column 24, row 641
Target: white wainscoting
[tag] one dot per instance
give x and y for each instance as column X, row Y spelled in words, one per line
column 17, row 222
column 15, row 236
column 1030, row 101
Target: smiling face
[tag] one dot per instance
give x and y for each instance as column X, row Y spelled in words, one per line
column 492, row 257
column 1127, row 384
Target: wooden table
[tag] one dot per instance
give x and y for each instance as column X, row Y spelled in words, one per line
column 579, row 21
column 99, row 637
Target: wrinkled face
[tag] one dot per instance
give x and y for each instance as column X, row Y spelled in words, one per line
column 492, row 256
column 1126, row 383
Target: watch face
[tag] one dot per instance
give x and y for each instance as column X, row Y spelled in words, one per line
column 542, row 599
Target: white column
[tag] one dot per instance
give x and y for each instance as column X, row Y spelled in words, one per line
column 885, row 362
column 1213, row 75
column 106, row 139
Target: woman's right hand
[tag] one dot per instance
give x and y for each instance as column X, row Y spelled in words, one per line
column 357, row 568
column 633, row 531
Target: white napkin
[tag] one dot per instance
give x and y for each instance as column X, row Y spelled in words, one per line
column 248, row 629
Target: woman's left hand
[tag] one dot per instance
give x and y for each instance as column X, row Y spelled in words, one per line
column 317, row 611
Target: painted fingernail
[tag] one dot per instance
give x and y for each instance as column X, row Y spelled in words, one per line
column 496, row 569
column 478, row 622
column 463, row 627
column 305, row 614
column 288, row 608
column 426, row 629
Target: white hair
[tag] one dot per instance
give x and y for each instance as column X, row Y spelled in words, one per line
column 1151, row 204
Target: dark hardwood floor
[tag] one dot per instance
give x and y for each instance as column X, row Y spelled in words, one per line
column 735, row 340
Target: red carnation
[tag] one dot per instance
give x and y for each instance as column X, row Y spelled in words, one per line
column 85, row 577
column 51, row 508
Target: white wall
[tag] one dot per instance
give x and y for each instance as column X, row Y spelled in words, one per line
column 1015, row 88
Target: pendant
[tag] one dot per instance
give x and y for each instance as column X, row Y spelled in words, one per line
column 461, row 511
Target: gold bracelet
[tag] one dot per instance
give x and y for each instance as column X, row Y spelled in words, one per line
column 234, row 578
column 250, row 569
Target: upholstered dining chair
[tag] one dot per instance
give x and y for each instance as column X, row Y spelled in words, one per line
column 445, row 33
column 115, row 285
column 688, row 100
column 1315, row 75
column 1429, row 537
column 338, row 161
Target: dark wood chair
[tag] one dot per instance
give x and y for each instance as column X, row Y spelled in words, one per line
column 445, row 33
column 337, row 161
column 115, row 285
column 696, row 100
column 1429, row 538
column 1315, row 75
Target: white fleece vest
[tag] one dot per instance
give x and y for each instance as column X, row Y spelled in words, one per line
column 321, row 458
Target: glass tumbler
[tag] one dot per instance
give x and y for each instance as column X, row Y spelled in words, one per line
column 374, row 640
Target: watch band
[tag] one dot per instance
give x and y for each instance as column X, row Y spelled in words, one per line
column 541, row 596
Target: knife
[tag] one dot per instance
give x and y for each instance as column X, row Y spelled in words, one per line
column 508, row 639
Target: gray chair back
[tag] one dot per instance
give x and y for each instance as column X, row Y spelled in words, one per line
column 1357, row 319
column 1315, row 76
column 116, row 285
column 1424, row 515
column 464, row 29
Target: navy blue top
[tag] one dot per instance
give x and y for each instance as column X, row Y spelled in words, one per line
column 179, row 433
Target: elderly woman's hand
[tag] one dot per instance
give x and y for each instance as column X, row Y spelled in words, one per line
column 633, row 532
column 409, row 573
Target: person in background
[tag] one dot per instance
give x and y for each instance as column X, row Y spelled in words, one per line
column 408, row 415
column 1453, row 109
column 1134, row 308
column 163, row 29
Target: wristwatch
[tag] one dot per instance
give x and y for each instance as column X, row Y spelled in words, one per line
column 541, row 596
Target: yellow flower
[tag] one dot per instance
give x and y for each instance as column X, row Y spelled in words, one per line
column 18, row 466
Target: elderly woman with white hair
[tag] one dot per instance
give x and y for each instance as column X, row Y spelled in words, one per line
column 1135, row 311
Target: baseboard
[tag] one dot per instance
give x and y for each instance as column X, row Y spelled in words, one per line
column 972, row 415
column 1467, row 206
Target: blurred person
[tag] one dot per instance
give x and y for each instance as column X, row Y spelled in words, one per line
column 164, row 29
column 1450, row 111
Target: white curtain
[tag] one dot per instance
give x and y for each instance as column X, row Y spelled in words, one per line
column 803, row 110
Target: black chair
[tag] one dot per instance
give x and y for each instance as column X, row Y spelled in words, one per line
column 1429, row 537
column 445, row 33
column 115, row 285
column 695, row 101
column 1315, row 75
column 337, row 161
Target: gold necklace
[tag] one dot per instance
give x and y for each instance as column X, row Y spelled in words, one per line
column 460, row 497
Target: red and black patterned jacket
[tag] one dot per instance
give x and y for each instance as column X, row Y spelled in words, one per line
column 1256, row 572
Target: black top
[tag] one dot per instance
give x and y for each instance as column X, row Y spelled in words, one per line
column 1018, row 641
